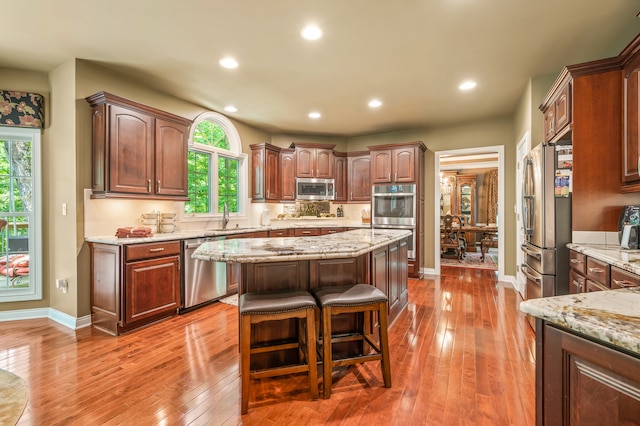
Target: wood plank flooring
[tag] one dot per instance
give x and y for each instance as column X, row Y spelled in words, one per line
column 462, row 353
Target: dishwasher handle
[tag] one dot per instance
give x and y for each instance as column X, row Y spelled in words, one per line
column 197, row 243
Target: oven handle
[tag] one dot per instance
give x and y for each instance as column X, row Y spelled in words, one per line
column 525, row 270
column 403, row 194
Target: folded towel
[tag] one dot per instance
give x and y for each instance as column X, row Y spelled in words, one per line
column 134, row 232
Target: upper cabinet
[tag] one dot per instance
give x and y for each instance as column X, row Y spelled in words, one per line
column 557, row 113
column 313, row 160
column 340, row 175
column 359, row 181
column 265, row 173
column 138, row 151
column 395, row 163
column 287, row 175
column 631, row 111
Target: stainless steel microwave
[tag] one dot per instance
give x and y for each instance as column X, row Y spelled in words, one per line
column 315, row 189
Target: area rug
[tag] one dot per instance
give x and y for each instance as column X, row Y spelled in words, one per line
column 13, row 398
column 231, row 300
column 472, row 260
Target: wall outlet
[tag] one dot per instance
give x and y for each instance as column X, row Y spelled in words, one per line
column 62, row 284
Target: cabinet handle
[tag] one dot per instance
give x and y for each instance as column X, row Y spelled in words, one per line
column 292, row 195
column 267, row 194
column 155, row 250
column 623, row 283
column 149, row 186
column 576, row 261
column 389, row 177
column 596, row 270
column 352, row 196
column 306, row 232
column 158, row 185
column 395, row 177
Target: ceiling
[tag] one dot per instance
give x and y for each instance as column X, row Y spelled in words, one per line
column 412, row 55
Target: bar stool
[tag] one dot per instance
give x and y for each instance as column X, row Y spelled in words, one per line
column 274, row 306
column 351, row 299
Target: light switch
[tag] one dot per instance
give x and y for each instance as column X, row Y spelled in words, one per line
column 64, row 209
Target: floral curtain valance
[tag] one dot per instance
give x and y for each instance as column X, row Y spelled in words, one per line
column 21, row 109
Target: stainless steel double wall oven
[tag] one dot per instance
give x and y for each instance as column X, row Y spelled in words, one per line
column 394, row 206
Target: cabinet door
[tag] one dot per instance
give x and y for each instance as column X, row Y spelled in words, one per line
column 549, row 124
column 272, row 175
column 359, row 181
column 403, row 166
column 287, row 176
column 152, row 288
column 131, row 151
column 577, row 282
column 381, row 166
column 305, row 162
column 340, row 176
column 323, row 164
column 585, row 383
column 562, row 107
column 171, row 158
column 258, row 191
column 631, row 120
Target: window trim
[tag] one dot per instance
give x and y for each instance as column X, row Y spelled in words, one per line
column 234, row 151
column 34, row 292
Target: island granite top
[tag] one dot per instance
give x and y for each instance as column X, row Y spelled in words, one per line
column 611, row 316
column 332, row 246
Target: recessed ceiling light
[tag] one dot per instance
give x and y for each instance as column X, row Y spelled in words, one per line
column 228, row 63
column 467, row 85
column 311, row 32
column 230, row 108
column 315, row 115
column 375, row 103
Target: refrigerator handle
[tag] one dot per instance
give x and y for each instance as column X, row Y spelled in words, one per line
column 525, row 270
column 531, row 253
column 528, row 199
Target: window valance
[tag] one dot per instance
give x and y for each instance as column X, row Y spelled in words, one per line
column 21, row 109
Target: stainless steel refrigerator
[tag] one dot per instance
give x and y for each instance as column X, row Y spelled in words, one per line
column 546, row 207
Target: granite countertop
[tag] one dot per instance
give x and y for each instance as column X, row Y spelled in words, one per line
column 629, row 260
column 611, row 316
column 256, row 250
column 184, row 235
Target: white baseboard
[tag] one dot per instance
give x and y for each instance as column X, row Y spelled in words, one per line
column 53, row 314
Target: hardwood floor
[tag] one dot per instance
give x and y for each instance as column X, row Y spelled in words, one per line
column 462, row 353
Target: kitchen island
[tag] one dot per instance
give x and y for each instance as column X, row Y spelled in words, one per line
column 587, row 357
column 374, row 256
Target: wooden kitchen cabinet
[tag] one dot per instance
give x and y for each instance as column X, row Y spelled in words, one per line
column 287, row 175
column 587, row 274
column 395, row 163
column 359, row 177
column 265, row 173
column 631, row 109
column 580, row 381
column 137, row 151
column 557, row 113
column 313, row 160
column 134, row 285
column 340, row 167
column 390, row 274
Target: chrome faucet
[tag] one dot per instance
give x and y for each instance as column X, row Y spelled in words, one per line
column 225, row 216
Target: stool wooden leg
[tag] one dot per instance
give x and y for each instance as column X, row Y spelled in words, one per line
column 384, row 345
column 311, row 352
column 245, row 362
column 327, row 362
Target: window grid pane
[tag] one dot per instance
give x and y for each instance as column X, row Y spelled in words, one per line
column 199, row 172
column 228, row 183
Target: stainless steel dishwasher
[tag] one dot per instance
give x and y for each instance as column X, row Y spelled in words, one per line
column 204, row 281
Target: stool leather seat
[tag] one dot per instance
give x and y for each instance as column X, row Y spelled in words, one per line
column 349, row 295
column 275, row 301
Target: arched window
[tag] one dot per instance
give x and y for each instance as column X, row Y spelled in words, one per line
column 217, row 167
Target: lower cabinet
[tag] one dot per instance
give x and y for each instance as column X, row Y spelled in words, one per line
column 389, row 272
column 587, row 274
column 580, row 381
column 134, row 285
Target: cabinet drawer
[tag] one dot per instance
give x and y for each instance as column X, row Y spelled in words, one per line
column 598, row 271
column 578, row 261
column 327, row 231
column 577, row 282
column 146, row 251
column 592, row 286
column 623, row 279
column 281, row 233
column 306, row 232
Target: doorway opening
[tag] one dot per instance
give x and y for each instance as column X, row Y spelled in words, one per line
column 479, row 207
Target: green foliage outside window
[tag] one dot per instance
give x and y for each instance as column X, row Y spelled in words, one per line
column 200, row 171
